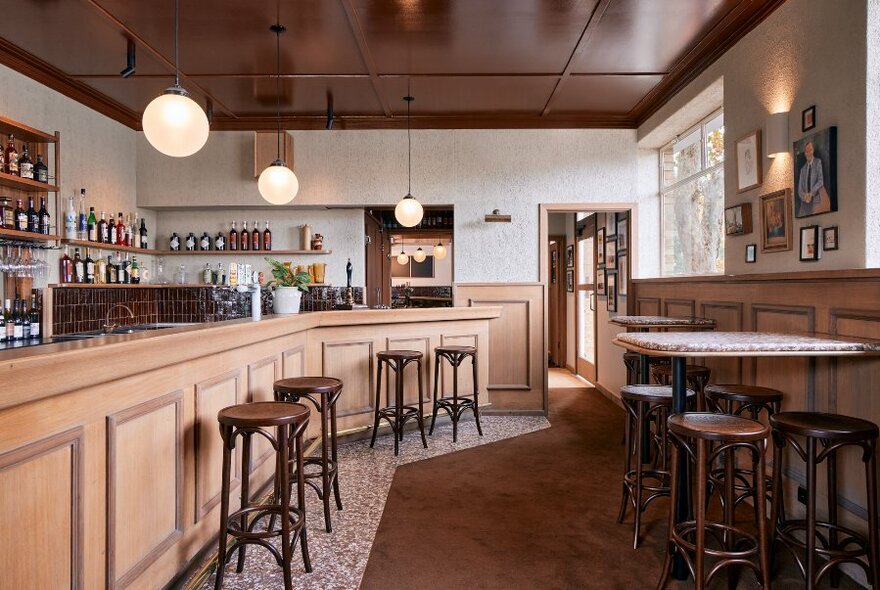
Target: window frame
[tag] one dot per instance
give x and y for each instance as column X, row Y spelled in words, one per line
column 704, row 171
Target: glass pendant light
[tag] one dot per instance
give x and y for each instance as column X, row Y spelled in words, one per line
column 420, row 255
column 173, row 123
column 402, row 258
column 439, row 251
column 408, row 211
column 278, row 184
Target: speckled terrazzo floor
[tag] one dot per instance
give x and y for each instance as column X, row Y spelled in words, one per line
column 339, row 558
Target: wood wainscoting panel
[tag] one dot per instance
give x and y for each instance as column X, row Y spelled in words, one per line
column 465, row 371
column 680, row 308
column 212, row 396
column 647, row 306
column 795, row 376
column 144, row 485
column 41, row 508
column 353, row 362
column 410, row 377
column 293, row 362
column 261, row 377
column 728, row 317
column 517, row 355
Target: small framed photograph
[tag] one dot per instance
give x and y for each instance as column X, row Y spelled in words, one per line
column 622, row 231
column 600, row 247
column 751, row 253
column 569, row 280
column 738, row 220
column 569, row 256
column 809, row 243
column 830, row 238
column 600, row 282
column 622, row 275
column 808, row 118
column 776, row 221
column 612, row 291
column 611, row 252
column 749, row 162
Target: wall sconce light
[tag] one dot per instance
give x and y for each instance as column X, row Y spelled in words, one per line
column 777, row 134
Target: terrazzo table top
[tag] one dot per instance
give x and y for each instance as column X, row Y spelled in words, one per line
column 685, row 344
column 659, row 321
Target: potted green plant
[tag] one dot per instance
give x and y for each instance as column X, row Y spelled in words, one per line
column 288, row 287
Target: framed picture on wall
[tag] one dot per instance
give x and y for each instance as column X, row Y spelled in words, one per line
column 612, row 291
column 808, row 118
column 751, row 253
column 600, row 281
column 809, row 243
column 554, row 265
column 815, row 173
column 600, row 247
column 738, row 220
column 622, row 275
column 622, row 231
column 749, row 171
column 776, row 221
column 611, row 252
column 569, row 256
column 569, row 280
column 830, row 240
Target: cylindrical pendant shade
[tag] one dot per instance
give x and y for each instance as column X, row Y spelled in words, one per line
column 777, row 134
column 175, row 124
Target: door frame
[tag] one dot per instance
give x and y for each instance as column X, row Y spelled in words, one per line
column 561, row 303
column 544, row 210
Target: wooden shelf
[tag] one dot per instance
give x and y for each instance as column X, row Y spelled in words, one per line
column 422, row 234
column 26, row 235
column 110, row 247
column 242, row 252
column 25, row 132
column 25, row 184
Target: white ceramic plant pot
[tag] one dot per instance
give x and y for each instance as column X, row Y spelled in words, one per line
column 286, row 300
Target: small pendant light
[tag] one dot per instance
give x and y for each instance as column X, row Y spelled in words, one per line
column 278, row 184
column 402, row 258
column 439, row 251
column 174, row 123
column 420, row 255
column 408, row 211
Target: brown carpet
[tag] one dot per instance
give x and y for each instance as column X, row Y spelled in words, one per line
column 537, row 511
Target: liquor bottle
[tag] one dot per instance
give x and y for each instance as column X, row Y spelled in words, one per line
column 41, row 171
column 267, row 238
column 130, row 230
column 255, row 237
column 70, row 220
column 92, row 225
column 18, row 325
column 35, row 316
column 79, row 268
column 174, row 242
column 205, row 242
column 124, row 276
column 25, row 320
column 245, row 237
column 111, row 230
column 90, row 267
column 10, row 157
column 103, row 237
column 120, row 231
column 21, row 217
column 33, row 218
column 220, row 276
column 135, row 271
column 82, row 229
column 207, row 277
column 66, row 269
column 25, row 164
column 44, row 217
column 191, row 242
column 220, row 241
column 7, row 334
column 233, row 238
column 112, row 271
column 100, row 271
column 143, row 234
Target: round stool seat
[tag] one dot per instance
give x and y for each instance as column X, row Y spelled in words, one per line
column 822, row 425
column 722, row 427
column 743, row 393
column 399, row 355
column 655, row 394
column 691, row 370
column 258, row 414
column 451, row 349
column 299, row 386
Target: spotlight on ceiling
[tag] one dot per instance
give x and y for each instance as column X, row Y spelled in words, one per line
column 129, row 60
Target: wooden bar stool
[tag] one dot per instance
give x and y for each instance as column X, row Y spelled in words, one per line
column 644, row 405
column 323, row 393
column 823, row 436
column 697, row 379
column 398, row 414
column 455, row 405
column 246, row 420
column 693, row 433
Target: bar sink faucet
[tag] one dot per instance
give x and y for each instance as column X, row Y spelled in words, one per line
column 108, row 327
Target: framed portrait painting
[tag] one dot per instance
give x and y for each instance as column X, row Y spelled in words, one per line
column 815, row 173
column 809, row 243
column 749, row 159
column 600, row 247
column 776, row 221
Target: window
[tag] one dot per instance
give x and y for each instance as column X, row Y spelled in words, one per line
column 692, row 200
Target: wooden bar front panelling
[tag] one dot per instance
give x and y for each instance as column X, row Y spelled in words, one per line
column 844, row 303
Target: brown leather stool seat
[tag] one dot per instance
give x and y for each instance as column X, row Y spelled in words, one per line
column 246, row 420
column 697, row 378
column 816, row 437
column 645, row 405
column 700, row 540
column 398, row 414
column 323, row 393
column 456, row 404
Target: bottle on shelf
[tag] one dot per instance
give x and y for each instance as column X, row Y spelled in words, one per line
column 111, row 230
column 142, row 232
column 256, row 239
column 100, row 271
column 233, row 238
column 21, row 218
column 7, row 213
column 70, row 219
column 65, row 274
column 124, row 273
column 33, row 218
column 205, row 242
column 79, row 268
column 112, row 271
column 18, row 325
column 244, row 237
column 25, row 320
column 7, row 334
column 92, row 225
column 25, row 164
column 120, row 231
column 10, row 157
column 82, row 229
column 44, row 217
column 267, row 237
column 103, row 237
column 174, row 242
column 41, row 171
column 220, row 275
column 135, row 271
column 207, row 276
column 220, row 241
column 191, row 242
column 132, row 235
column 35, row 316
column 90, row 267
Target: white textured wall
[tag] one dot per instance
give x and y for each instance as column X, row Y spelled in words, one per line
column 473, row 170
column 872, row 143
column 808, row 52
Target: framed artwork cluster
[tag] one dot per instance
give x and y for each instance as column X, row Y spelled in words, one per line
column 569, row 268
column 611, row 258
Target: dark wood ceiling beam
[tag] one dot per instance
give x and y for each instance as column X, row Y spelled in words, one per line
column 579, row 47
column 366, row 55
column 381, row 76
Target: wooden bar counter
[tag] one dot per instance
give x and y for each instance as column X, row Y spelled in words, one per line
column 110, row 450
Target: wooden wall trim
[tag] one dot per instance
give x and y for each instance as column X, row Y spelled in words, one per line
column 114, row 421
column 69, row 438
column 325, row 348
column 249, row 396
column 854, row 274
column 646, row 301
column 521, row 386
column 301, row 350
column 688, row 303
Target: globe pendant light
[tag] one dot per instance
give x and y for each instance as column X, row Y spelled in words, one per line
column 402, row 258
column 278, row 184
column 439, row 251
column 420, row 255
column 173, row 123
column 408, row 211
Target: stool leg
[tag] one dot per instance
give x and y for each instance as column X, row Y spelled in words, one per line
column 398, row 405
column 437, row 358
column 873, row 535
column 420, row 418
column 810, row 565
column 455, row 413
column 245, row 493
column 776, row 514
column 476, row 395
column 224, row 506
column 284, row 502
column 673, row 496
column 378, row 402
column 760, row 482
column 301, row 502
column 637, row 495
column 832, row 513
column 729, row 511
column 627, row 462
column 325, row 464
column 333, row 442
column 700, row 517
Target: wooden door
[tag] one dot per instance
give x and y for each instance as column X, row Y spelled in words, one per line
column 556, row 302
column 378, row 265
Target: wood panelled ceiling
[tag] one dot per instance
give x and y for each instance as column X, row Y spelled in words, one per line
column 468, row 63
